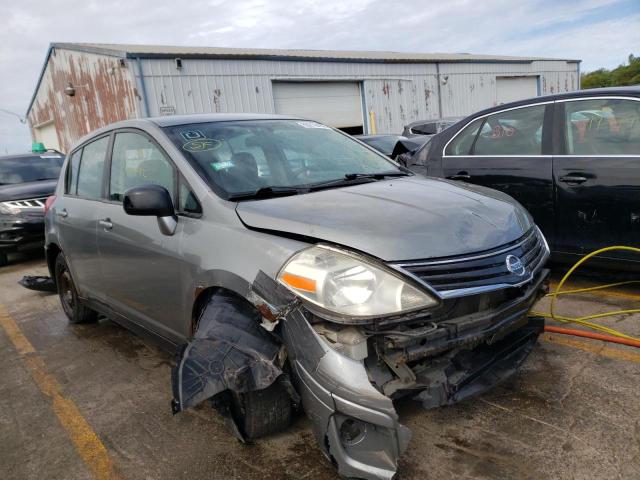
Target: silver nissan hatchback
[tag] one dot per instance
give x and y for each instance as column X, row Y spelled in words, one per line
column 291, row 266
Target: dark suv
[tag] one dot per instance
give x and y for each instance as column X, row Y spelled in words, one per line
column 572, row 160
column 25, row 183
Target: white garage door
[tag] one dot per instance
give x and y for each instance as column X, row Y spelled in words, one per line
column 337, row 104
column 510, row 89
column 46, row 133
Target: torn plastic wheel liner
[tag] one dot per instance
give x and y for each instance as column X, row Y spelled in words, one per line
column 229, row 351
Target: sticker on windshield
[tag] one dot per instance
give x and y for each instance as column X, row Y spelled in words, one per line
column 192, row 135
column 202, row 145
column 309, row 124
column 217, row 166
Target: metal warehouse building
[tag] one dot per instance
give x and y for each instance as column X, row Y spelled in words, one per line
column 86, row 86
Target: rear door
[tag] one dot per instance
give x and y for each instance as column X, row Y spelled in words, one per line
column 597, row 173
column 509, row 150
column 76, row 215
column 144, row 274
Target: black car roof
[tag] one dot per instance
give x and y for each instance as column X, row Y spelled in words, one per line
column 29, row 155
column 633, row 91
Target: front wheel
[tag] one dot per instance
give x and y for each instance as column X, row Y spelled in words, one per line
column 4, row 259
column 262, row 412
column 74, row 309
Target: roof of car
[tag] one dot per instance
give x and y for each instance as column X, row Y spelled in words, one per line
column 633, row 91
column 172, row 120
column 30, row 155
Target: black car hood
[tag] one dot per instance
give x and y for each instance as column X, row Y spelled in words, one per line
column 401, row 219
column 21, row 191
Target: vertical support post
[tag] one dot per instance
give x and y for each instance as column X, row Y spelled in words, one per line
column 439, row 91
column 143, row 88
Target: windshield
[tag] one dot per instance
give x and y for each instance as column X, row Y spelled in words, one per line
column 246, row 156
column 30, row 169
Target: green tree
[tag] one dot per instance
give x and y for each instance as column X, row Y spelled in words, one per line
column 625, row 74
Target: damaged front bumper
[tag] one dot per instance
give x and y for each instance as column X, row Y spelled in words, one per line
column 348, row 377
column 350, row 402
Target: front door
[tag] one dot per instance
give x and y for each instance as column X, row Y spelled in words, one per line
column 509, row 151
column 598, row 175
column 142, row 269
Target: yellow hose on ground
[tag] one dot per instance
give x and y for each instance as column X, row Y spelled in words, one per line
column 585, row 320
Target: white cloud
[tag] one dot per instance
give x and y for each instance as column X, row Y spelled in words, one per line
column 490, row 26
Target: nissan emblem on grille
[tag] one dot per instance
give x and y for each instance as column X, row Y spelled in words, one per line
column 515, row 265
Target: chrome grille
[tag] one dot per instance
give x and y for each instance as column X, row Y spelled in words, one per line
column 484, row 271
column 27, row 204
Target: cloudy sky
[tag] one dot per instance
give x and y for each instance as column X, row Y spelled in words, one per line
column 602, row 33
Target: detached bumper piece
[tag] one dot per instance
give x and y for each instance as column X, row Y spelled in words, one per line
column 39, row 283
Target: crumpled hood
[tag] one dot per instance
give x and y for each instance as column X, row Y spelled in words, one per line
column 401, row 219
column 22, row 191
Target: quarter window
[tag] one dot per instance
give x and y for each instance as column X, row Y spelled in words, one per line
column 91, row 170
column 461, row 145
column 136, row 162
column 512, row 132
column 187, row 201
column 602, row 127
column 71, row 182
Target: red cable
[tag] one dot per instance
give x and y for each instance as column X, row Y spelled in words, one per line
column 595, row 336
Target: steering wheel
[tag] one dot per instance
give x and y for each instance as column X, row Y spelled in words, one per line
column 298, row 173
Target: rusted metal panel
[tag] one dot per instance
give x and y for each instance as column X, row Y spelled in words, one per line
column 105, row 92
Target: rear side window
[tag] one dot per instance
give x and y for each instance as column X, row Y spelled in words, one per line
column 461, row 145
column 602, row 127
column 71, row 181
column 135, row 162
column 514, row 132
column 91, row 171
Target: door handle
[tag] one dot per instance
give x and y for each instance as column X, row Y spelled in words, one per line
column 106, row 223
column 63, row 213
column 573, row 179
column 460, row 176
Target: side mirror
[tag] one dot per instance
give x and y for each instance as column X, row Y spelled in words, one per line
column 152, row 201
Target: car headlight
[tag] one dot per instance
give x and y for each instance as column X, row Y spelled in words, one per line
column 7, row 210
column 350, row 285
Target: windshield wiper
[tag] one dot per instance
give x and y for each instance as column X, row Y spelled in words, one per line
column 266, row 192
column 375, row 176
column 355, row 178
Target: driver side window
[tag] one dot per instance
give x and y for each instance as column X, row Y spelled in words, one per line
column 136, row 162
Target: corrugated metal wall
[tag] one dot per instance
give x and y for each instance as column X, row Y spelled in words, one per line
column 396, row 93
column 105, row 93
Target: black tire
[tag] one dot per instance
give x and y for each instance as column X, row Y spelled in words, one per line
column 71, row 304
column 263, row 412
column 4, row 259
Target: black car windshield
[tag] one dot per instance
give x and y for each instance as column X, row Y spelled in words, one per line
column 241, row 157
column 23, row 169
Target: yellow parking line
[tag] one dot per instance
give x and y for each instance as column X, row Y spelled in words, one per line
column 88, row 445
column 597, row 348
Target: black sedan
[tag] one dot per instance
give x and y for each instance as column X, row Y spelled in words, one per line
column 25, row 183
column 572, row 160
